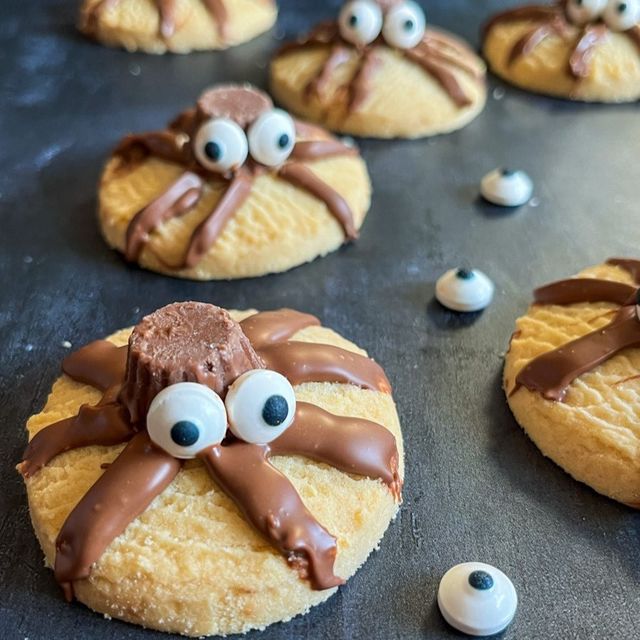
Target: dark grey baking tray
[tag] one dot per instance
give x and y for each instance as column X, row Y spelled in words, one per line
column 476, row 489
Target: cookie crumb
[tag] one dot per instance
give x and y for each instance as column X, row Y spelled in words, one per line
column 65, row 344
column 498, row 93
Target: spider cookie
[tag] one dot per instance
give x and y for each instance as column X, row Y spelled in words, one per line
column 178, row 26
column 379, row 71
column 213, row 472
column 232, row 188
column 572, row 374
column 585, row 50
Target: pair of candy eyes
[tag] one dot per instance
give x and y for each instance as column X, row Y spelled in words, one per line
column 186, row 418
column 619, row 15
column 362, row 21
column 221, row 145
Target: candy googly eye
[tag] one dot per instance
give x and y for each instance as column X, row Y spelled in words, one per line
column 404, row 25
column 360, row 22
column 466, row 290
column 581, row 12
column 221, row 145
column 261, row 406
column 272, row 138
column 477, row 599
column 620, row 15
column 186, row 418
column 507, row 188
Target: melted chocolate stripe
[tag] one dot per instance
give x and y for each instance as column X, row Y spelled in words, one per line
column 523, row 13
column 360, row 85
column 302, row 177
column 529, row 41
column 271, row 327
column 301, row 362
column 634, row 34
column 352, row 445
column 167, row 13
column 100, row 364
column 442, row 75
column 323, row 34
column 579, row 62
column 433, row 50
column 551, row 373
column 337, row 57
column 269, row 501
column 575, row 290
column 630, row 266
column 168, row 145
column 103, row 424
column 124, row 491
column 206, row 234
column 310, row 150
column 177, row 200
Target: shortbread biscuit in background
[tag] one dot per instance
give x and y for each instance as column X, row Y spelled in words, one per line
column 572, row 377
column 232, row 188
column 145, row 515
column 587, row 51
column 379, row 72
column 177, row 26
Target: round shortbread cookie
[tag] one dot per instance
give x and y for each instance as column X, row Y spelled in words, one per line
column 280, row 223
column 191, row 563
column 594, row 433
column 186, row 25
column 610, row 72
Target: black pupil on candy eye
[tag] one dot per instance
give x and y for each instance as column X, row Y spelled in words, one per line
column 185, row 433
column 353, row 21
column 622, row 7
column 275, row 411
column 481, row 580
column 408, row 25
column 283, row 141
column 464, row 274
column 213, row 151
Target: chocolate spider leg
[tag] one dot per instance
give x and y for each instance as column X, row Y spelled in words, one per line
column 634, row 34
column 444, row 76
column 529, row 41
column 105, row 424
column 100, row 364
column 126, row 488
column 323, row 34
column 311, row 362
column 360, row 85
column 310, row 150
column 535, row 13
column 220, row 14
column 271, row 327
column 448, row 55
column 580, row 59
column 576, row 290
column 167, row 16
column 177, row 200
column 632, row 267
column 551, row 373
column 269, row 501
column 167, row 145
column 302, row 177
column 89, row 17
column 338, row 56
column 212, row 226
column 352, row 445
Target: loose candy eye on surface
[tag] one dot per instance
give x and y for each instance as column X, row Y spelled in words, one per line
column 622, row 15
column 404, row 25
column 360, row 22
column 464, row 290
column 507, row 188
column 272, row 137
column 581, row 12
column 221, row 145
column 261, row 406
column 477, row 599
column 186, row 418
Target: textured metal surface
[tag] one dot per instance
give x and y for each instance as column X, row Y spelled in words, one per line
column 477, row 489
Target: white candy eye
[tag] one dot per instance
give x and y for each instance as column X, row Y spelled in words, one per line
column 272, row 137
column 404, row 25
column 261, row 406
column 583, row 11
column 466, row 290
column 360, row 22
column 221, row 145
column 186, row 418
column 620, row 15
column 507, row 188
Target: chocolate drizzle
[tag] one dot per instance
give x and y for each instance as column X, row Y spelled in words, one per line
column 631, row 266
column 438, row 54
column 551, row 373
column 554, row 20
column 243, row 105
column 201, row 343
column 166, row 16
